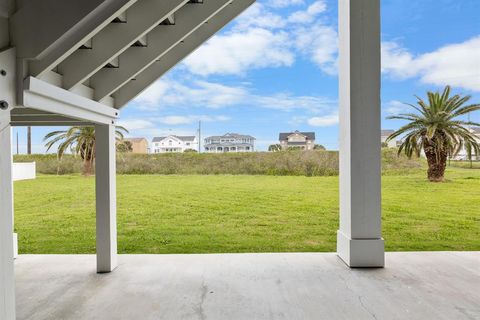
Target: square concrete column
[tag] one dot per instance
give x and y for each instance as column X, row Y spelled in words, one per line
column 359, row 240
column 106, row 198
column 7, row 276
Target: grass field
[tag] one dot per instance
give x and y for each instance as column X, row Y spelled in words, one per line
column 210, row 214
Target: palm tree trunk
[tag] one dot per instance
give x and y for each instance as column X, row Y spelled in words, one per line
column 87, row 167
column 437, row 163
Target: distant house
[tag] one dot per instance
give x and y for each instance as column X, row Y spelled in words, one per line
column 462, row 155
column 384, row 136
column 139, row 145
column 297, row 139
column 230, row 142
column 173, row 143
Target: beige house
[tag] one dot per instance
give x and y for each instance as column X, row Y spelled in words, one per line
column 384, row 136
column 139, row 145
column 297, row 139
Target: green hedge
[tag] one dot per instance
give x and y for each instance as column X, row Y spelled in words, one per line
column 289, row 163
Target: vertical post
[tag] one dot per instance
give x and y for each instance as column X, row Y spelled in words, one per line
column 7, row 276
column 359, row 240
column 105, row 180
column 7, row 101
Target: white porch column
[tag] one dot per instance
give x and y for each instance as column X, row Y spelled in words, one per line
column 359, row 240
column 7, row 101
column 105, row 170
column 7, row 276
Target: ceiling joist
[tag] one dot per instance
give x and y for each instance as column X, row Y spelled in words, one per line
column 116, row 38
column 134, row 87
column 160, row 41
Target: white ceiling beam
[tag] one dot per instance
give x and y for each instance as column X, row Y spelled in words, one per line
column 72, row 39
column 43, row 96
column 115, row 38
column 160, row 40
column 134, row 87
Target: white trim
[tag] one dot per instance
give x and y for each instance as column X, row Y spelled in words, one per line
column 46, row 97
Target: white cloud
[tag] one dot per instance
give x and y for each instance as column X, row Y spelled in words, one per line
column 236, row 52
column 214, row 96
column 135, row 124
column 189, row 119
column 324, row 121
column 320, row 43
column 153, row 93
column 309, row 15
column 167, row 93
column 284, row 3
column 259, row 16
column 394, row 107
column 454, row 64
column 264, row 38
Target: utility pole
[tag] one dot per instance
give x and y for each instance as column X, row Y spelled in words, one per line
column 17, row 143
column 29, row 140
column 199, row 136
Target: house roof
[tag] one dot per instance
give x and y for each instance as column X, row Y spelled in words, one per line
column 285, row 135
column 387, row 132
column 232, row 135
column 183, row 138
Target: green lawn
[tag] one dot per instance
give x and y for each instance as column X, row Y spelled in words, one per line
column 209, row 214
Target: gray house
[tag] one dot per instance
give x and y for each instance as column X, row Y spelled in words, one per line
column 230, row 142
column 297, row 139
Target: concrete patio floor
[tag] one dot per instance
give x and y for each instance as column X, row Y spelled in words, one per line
column 424, row 285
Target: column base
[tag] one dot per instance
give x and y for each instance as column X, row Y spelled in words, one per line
column 361, row 253
column 15, row 246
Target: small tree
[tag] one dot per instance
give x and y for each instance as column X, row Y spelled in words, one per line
column 436, row 130
column 124, row 146
column 319, row 147
column 80, row 141
column 275, row 148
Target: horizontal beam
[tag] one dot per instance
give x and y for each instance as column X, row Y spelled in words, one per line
column 115, row 38
column 71, row 39
column 46, row 97
column 50, row 124
column 160, row 41
column 134, row 87
column 21, row 117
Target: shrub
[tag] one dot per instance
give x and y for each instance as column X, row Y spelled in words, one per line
column 298, row 163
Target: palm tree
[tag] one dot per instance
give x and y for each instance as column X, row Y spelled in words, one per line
column 80, row 141
column 436, row 130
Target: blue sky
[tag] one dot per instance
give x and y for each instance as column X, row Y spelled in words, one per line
column 274, row 69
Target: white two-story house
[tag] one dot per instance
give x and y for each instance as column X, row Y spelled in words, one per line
column 230, row 142
column 174, row 143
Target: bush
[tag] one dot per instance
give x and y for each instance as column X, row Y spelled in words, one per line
column 298, row 163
